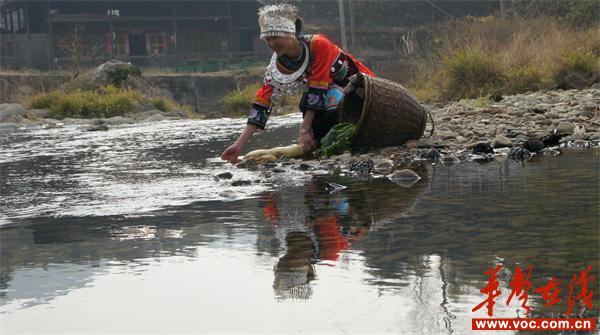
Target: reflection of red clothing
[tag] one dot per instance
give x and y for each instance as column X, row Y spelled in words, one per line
column 330, row 240
column 270, row 210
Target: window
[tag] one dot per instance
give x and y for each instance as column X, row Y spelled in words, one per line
column 7, row 49
column 157, row 44
column 195, row 42
column 121, row 47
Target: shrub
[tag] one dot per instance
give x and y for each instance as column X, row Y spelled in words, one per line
column 239, row 100
column 105, row 102
column 471, row 73
column 579, row 61
column 523, row 79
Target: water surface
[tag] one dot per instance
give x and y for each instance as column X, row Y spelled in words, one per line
column 128, row 231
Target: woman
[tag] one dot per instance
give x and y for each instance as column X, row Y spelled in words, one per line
column 300, row 62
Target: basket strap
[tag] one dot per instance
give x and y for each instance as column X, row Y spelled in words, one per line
column 432, row 123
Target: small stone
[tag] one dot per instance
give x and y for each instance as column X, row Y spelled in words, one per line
column 551, row 152
column 450, row 160
column 533, row 145
column 97, row 127
column 278, row 170
column 565, row 128
column 269, row 164
column 581, row 144
column 225, row 175
column 519, row 154
column 483, row 148
column 383, row 166
column 552, row 140
column 306, row 166
column 404, row 178
column 501, row 141
column 579, row 130
column 431, row 154
column 241, row 182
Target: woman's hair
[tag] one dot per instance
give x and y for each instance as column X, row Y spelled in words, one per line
column 299, row 23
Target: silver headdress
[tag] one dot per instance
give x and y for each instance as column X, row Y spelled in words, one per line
column 277, row 20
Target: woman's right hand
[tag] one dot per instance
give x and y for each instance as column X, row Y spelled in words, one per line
column 231, row 154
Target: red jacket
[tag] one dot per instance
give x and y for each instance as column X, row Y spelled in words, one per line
column 329, row 65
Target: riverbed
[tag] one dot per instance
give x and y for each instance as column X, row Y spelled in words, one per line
column 130, row 230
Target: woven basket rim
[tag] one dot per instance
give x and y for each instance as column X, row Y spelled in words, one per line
column 366, row 100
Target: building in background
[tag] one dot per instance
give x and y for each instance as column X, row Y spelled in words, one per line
column 53, row 34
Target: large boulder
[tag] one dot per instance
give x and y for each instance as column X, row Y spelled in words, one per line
column 113, row 72
column 578, row 80
column 12, row 112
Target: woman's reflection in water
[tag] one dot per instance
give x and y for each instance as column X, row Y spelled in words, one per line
column 311, row 231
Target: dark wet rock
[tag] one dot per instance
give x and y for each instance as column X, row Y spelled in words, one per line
column 363, row 166
column 496, row 97
column 552, row 140
column 537, row 110
column 278, row 170
column 305, row 167
column 565, row 128
column 249, row 164
column 334, row 188
column 241, row 182
column 225, row 175
column 269, row 164
column 519, row 154
column 483, row 148
column 97, row 127
column 533, row 144
column 431, row 154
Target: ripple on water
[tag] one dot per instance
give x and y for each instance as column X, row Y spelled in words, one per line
column 125, row 171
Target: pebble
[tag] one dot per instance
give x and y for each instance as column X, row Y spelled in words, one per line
column 225, row 175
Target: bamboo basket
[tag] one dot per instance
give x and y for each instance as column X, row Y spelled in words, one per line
column 385, row 113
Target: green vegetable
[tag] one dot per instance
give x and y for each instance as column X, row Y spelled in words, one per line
column 338, row 139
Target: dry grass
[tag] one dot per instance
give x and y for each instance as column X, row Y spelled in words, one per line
column 510, row 55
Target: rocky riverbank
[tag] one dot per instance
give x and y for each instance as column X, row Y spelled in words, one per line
column 517, row 127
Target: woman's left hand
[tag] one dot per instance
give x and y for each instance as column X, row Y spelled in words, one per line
column 307, row 141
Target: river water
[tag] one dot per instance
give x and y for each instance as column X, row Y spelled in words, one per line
column 129, row 231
